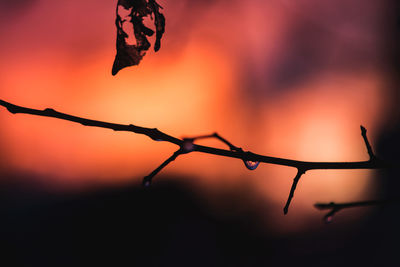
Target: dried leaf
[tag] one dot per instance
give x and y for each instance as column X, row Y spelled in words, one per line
column 130, row 55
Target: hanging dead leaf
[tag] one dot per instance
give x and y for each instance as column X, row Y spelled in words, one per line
column 131, row 54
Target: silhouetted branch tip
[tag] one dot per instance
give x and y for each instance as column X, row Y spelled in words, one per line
column 367, row 144
column 148, row 179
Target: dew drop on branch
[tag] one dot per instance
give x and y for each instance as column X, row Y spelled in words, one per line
column 187, row 146
column 147, row 184
column 251, row 165
column 328, row 219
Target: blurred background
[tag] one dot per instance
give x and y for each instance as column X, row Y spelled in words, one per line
column 292, row 79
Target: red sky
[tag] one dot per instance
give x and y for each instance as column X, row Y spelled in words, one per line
column 275, row 77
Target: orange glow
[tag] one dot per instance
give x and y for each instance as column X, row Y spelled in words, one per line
column 196, row 87
column 174, row 102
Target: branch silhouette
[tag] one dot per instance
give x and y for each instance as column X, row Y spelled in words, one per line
column 336, row 207
column 187, row 145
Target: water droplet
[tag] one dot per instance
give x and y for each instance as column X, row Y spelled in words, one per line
column 188, row 146
column 251, row 165
column 147, row 184
column 328, row 219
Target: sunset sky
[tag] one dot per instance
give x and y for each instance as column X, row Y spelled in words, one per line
column 292, row 79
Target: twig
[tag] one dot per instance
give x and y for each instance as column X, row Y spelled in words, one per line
column 186, row 145
column 148, row 179
column 336, row 207
column 251, row 165
column 296, row 179
column 217, row 136
column 369, row 149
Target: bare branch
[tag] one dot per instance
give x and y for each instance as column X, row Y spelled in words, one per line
column 296, row 179
column 336, row 207
column 251, row 165
column 186, row 145
column 369, row 149
column 153, row 133
column 148, row 179
column 229, row 144
column 216, row 136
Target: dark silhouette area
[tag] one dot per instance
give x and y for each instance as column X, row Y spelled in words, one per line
column 169, row 226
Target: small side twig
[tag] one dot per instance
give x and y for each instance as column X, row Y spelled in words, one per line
column 369, row 148
column 296, row 179
column 300, row 171
column 148, row 179
column 251, row 165
column 336, row 207
column 216, row 136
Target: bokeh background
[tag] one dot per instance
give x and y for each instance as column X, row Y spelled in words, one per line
column 292, row 79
